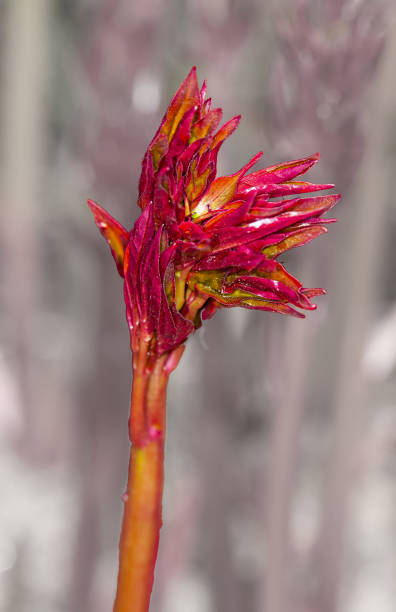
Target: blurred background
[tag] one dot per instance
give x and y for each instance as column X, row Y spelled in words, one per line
column 281, row 451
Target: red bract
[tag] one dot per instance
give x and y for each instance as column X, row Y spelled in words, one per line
column 203, row 243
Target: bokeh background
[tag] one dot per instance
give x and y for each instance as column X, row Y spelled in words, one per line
column 281, row 451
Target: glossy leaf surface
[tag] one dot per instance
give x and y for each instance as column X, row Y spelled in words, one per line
column 204, row 242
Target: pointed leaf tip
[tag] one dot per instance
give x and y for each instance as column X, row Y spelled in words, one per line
column 186, row 97
column 226, row 130
column 114, row 233
column 222, row 190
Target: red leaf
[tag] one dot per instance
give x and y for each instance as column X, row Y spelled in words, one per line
column 114, row 233
column 280, row 172
column 186, row 97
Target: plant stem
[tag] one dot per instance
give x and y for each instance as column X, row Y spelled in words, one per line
column 143, row 497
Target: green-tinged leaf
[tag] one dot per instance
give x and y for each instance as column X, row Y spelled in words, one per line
column 114, row 233
column 185, row 98
column 295, row 239
column 221, row 191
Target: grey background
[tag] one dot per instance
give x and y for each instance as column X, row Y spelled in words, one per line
column 280, row 460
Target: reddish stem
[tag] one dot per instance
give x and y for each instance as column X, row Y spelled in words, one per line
column 143, row 498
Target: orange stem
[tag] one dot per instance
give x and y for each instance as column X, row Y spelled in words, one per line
column 143, row 497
